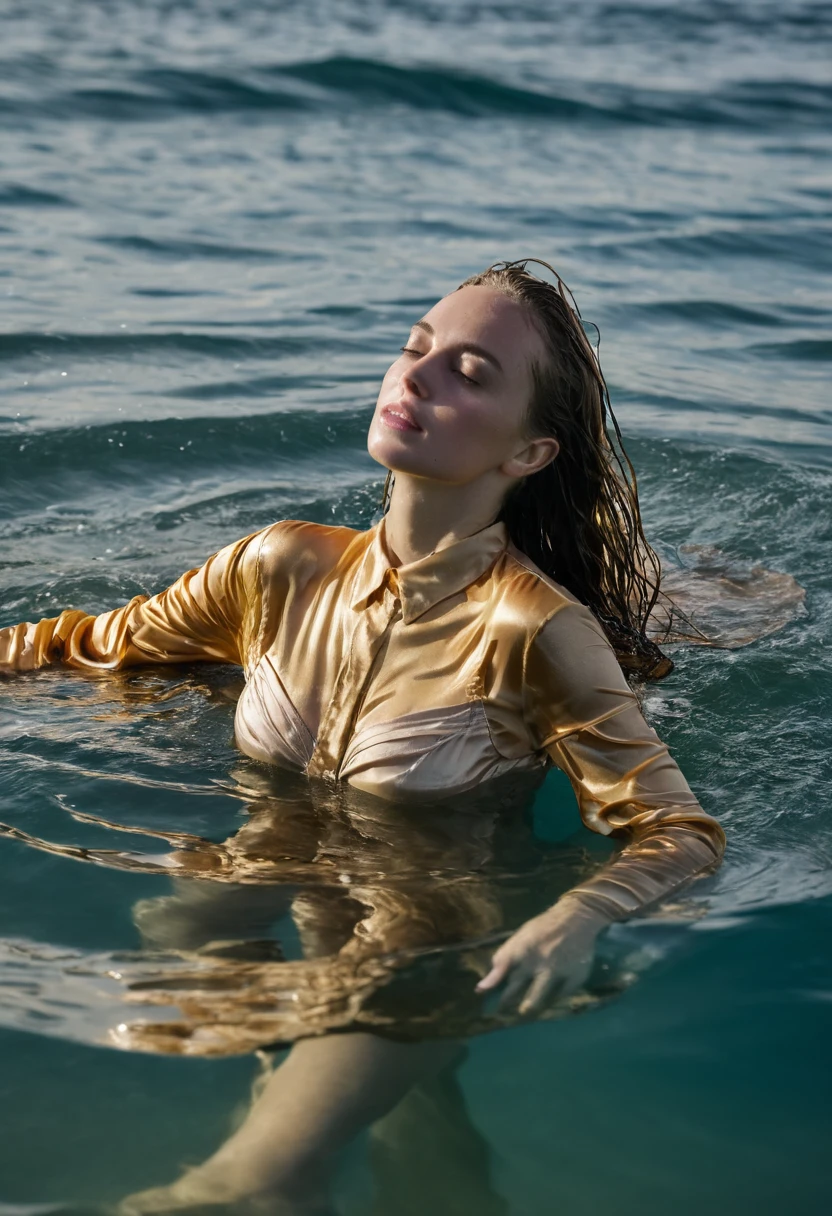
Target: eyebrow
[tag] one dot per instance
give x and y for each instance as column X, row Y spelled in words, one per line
column 468, row 347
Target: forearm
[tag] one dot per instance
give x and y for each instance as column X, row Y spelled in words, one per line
column 650, row 868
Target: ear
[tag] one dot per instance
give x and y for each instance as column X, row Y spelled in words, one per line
column 531, row 459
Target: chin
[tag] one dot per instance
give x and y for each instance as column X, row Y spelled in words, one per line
column 397, row 453
column 391, row 453
column 397, row 462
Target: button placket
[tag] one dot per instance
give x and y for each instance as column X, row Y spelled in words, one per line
column 372, row 628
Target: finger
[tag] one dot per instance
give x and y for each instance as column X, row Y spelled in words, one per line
column 544, row 985
column 517, row 983
column 499, row 968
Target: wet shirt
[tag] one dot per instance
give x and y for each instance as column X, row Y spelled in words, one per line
column 420, row 681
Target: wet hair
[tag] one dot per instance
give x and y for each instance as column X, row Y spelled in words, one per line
column 578, row 519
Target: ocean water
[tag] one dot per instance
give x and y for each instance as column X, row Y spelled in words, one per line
column 217, row 225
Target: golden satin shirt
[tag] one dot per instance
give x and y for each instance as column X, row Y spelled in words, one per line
column 421, row 681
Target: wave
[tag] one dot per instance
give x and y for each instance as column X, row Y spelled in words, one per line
column 15, row 195
column 808, row 244
column 123, row 344
column 339, row 80
column 811, row 350
column 709, row 313
column 182, row 250
column 114, row 451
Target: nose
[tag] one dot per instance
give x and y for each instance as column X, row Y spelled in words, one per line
column 413, row 379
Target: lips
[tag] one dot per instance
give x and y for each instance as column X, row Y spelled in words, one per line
column 399, row 417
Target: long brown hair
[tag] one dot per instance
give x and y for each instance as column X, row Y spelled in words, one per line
column 579, row 519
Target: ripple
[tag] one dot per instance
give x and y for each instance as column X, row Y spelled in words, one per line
column 707, row 313
column 173, row 250
column 804, row 350
column 137, row 451
column 20, row 345
column 12, row 195
column 809, row 245
column 333, row 81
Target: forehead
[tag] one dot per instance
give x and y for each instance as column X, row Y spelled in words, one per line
column 487, row 318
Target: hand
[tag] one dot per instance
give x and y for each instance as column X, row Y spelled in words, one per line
column 554, row 951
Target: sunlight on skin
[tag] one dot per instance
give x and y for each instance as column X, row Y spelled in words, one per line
column 450, row 423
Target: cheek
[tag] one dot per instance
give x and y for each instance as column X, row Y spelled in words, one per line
column 481, row 424
column 391, row 379
column 381, row 443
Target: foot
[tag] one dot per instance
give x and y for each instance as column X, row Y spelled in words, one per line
column 194, row 1192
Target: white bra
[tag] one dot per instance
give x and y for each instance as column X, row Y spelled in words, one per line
column 430, row 752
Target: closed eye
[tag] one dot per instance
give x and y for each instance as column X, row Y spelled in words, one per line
column 409, row 350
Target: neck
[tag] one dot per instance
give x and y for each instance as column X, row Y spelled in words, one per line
column 425, row 516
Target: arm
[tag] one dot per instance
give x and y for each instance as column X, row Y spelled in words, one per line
column 628, row 786
column 208, row 614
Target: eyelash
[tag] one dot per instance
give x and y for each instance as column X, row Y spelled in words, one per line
column 408, row 350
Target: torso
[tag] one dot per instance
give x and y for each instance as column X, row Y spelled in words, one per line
column 361, row 673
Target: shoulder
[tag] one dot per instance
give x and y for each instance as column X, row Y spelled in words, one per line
column 565, row 647
column 296, row 551
column 535, row 599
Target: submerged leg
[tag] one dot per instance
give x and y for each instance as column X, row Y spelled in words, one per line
column 200, row 912
column 324, row 1093
column 427, row 1155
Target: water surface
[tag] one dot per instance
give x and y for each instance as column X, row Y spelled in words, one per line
column 217, row 224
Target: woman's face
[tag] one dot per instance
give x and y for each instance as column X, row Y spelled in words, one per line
column 453, row 406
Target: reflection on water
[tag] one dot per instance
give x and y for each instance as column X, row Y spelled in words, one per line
column 396, row 910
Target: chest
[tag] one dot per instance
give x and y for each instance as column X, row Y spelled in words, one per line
column 396, row 708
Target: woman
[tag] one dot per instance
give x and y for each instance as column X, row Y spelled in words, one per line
column 481, row 629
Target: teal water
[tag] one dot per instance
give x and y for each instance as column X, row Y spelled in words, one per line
column 217, row 223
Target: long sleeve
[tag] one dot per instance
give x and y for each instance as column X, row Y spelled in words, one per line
column 210, row 613
column 628, row 786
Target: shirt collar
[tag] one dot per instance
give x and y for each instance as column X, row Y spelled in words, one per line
column 426, row 582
